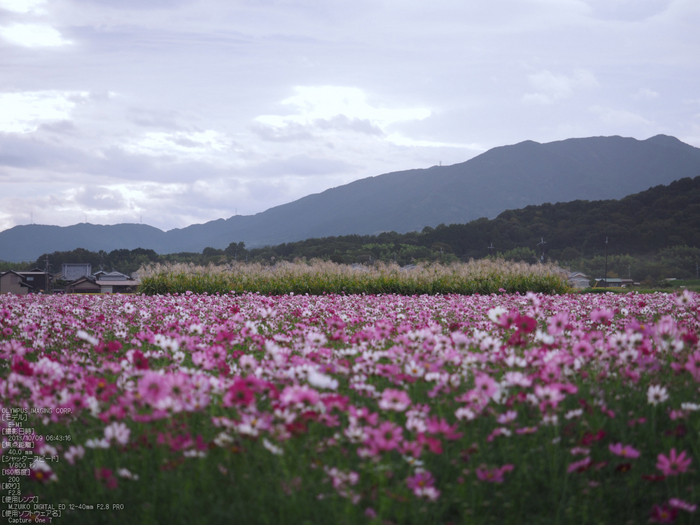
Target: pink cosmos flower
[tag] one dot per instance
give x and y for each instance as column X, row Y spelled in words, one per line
column 393, row 399
column 682, row 505
column 387, row 436
column 494, row 475
column 423, row 485
column 549, row 396
column 300, row 395
column 625, row 451
column 582, row 349
column 363, row 413
column 485, row 384
column 526, row 430
column 153, row 387
column 580, row 466
column 557, row 323
column 602, row 315
column 693, row 365
column 440, row 426
column 674, row 464
column 507, row 417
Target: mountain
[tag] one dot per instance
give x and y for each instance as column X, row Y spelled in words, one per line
column 507, row 177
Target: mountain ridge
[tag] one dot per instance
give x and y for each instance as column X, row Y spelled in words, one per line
column 502, row 178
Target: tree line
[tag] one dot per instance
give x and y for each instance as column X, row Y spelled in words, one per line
column 650, row 236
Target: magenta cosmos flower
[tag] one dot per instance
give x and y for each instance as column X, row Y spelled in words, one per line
column 674, row 464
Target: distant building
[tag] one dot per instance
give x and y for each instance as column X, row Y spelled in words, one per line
column 13, row 282
column 115, row 282
column 38, row 279
column 84, row 284
column 104, row 282
column 579, row 280
column 614, row 282
column 73, row 271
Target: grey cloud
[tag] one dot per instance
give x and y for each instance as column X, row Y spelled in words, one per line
column 343, row 123
column 289, row 133
column 215, row 65
column 30, row 152
column 136, row 4
column 627, row 10
column 61, row 127
column 99, row 198
column 150, row 118
column 301, row 165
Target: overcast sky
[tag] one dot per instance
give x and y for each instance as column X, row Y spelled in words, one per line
column 173, row 112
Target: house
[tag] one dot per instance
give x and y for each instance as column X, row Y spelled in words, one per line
column 579, row 280
column 104, row 282
column 13, row 282
column 73, row 271
column 115, row 282
column 614, row 282
column 38, row 279
column 84, row 284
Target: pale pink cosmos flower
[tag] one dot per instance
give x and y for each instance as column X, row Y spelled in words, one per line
column 626, row 451
column 674, row 464
column 517, row 379
column 682, row 505
column 465, row 413
column 118, row 432
column 580, row 451
column 393, row 399
column 485, row 384
column 507, row 417
column 300, row 395
column 74, row 453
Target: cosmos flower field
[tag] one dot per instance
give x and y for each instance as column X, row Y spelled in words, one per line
column 384, row 409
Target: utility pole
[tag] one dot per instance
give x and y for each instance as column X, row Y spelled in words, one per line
column 606, row 262
column 49, row 281
column 541, row 244
column 490, row 248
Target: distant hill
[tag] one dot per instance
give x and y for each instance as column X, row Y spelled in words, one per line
column 641, row 224
column 503, row 178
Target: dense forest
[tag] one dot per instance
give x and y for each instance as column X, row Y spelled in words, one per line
column 647, row 236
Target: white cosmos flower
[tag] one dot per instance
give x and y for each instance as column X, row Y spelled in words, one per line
column 319, row 380
column 657, row 394
column 277, row 451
